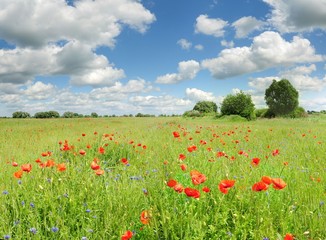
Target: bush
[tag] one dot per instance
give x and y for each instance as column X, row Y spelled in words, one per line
column 238, row 104
column 205, row 107
column 298, row 112
column 233, row 118
column 192, row 113
column 20, row 114
column 260, row 112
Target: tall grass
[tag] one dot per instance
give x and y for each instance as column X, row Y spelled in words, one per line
column 79, row 204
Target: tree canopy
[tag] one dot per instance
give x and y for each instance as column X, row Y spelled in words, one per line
column 205, row 107
column 281, row 97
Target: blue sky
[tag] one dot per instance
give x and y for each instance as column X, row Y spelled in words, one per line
column 158, row 57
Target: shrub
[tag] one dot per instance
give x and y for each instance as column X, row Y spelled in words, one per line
column 192, row 113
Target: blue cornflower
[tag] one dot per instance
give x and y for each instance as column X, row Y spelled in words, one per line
column 88, row 210
column 33, row 230
column 84, row 238
column 5, row 192
column 54, row 229
column 6, row 236
column 32, row 205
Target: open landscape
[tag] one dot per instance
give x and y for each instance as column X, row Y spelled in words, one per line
column 162, row 178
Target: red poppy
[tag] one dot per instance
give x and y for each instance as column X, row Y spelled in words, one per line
column 176, row 134
column 192, row 148
column 288, row 236
column 275, row 152
column 171, row 183
column 255, row 161
column 127, row 235
column 14, row 164
column 206, row 189
column 225, row 185
column 182, row 157
column 101, row 150
column 82, row 152
column 18, row 174
column 99, row 172
column 61, row 167
column 95, row 166
column 267, row 180
column 191, row 192
column 26, row 167
column 220, row 154
column 145, row 217
column 278, row 183
column 45, row 154
column 50, row 163
column 124, row 161
column 259, row 186
column 178, row 188
column 183, row 167
column 197, row 177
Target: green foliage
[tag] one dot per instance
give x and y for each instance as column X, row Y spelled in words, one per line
column 94, row 115
column 281, row 97
column 205, row 107
column 142, row 115
column 238, row 104
column 192, row 113
column 49, row 114
column 260, row 112
column 21, row 114
column 298, row 112
column 233, row 118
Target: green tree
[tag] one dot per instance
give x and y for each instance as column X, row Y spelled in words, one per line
column 238, row 104
column 21, row 114
column 205, row 107
column 281, row 97
column 94, row 115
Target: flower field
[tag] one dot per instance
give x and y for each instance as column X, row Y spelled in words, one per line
column 162, row 178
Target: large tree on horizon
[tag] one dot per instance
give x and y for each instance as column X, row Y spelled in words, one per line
column 281, row 97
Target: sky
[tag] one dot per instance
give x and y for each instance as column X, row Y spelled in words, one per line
column 157, row 56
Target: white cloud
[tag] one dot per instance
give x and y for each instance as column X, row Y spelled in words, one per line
column 196, row 95
column 184, row 44
column 298, row 15
column 199, row 47
column 210, row 26
column 186, row 70
column 246, row 25
column 268, row 50
column 40, row 91
column 227, row 44
column 40, row 22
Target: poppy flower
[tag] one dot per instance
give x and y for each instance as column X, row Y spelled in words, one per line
column 82, row 152
column 14, row 164
column 176, row 134
column 127, row 235
column 267, row 180
column 220, row 154
column 99, row 172
column 275, row 152
column 259, row 186
column 83, row 134
column 171, row 183
column 183, row 167
column 18, row 174
column 197, row 177
column 206, row 189
column 50, row 163
column 192, row 148
column 288, row 236
column 61, row 167
column 225, row 185
column 255, row 161
column 178, row 188
column 278, row 183
column 101, row 150
column 124, row 161
column 191, row 192
column 26, row 167
column 182, row 157
column 145, row 217
column 95, row 166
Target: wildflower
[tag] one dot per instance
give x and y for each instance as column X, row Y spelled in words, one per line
column 197, row 177
column 32, row 205
column 225, row 185
column 183, row 167
column 50, row 163
column 124, row 161
column 6, row 236
column 266, row 180
column 182, row 157
column 145, row 217
column 14, row 164
column 54, row 229
column 33, row 230
column 99, row 172
column 171, row 183
column 288, row 236
column 275, row 152
column 191, row 192
column 259, row 186
column 127, row 235
column 5, row 192
column 18, row 174
column 82, row 152
column 192, row 148
column 206, row 189
column 278, row 183
column 26, row 167
column 95, row 166
column 176, row 134
column 255, row 161
column 101, row 150
column 178, row 188
column 61, row 167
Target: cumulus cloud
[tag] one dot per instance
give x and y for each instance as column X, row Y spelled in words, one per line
column 268, row 50
column 40, row 91
column 40, row 22
column 196, row 95
column 199, row 47
column 227, row 44
column 297, row 15
column 210, row 26
column 184, row 44
column 186, row 70
column 246, row 25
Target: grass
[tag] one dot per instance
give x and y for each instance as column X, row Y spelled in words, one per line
column 78, row 204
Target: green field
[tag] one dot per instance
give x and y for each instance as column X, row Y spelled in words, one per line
column 64, row 194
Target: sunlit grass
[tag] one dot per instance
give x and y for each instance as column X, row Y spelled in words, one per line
column 76, row 203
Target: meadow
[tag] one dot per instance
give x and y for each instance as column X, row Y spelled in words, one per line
column 162, row 178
